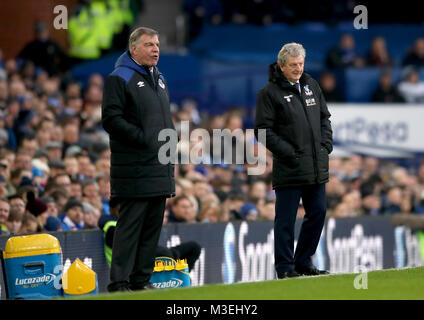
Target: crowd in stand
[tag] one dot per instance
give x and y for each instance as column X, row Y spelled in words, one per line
column 343, row 55
column 54, row 165
column 266, row 12
column 409, row 88
column 55, row 157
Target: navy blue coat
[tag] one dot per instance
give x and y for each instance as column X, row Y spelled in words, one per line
column 298, row 129
column 134, row 111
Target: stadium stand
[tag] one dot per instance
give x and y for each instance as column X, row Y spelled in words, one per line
column 213, row 85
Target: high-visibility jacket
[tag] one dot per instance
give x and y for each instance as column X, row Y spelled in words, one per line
column 82, row 40
column 108, row 249
column 103, row 24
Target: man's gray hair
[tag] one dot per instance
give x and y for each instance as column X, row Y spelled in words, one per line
column 137, row 33
column 291, row 49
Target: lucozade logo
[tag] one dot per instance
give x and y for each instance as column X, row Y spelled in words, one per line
column 35, row 281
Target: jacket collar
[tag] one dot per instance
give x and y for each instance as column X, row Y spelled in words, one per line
column 125, row 60
column 276, row 76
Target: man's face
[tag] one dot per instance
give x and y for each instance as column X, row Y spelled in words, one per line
column 293, row 68
column 146, row 52
column 75, row 214
column 30, row 146
column 184, row 210
column 18, row 204
column 4, row 211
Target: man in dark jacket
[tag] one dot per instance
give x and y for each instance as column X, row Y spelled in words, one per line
column 292, row 110
column 135, row 109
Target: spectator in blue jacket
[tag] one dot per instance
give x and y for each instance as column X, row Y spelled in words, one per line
column 72, row 217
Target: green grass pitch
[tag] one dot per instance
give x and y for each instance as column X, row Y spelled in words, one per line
column 399, row 284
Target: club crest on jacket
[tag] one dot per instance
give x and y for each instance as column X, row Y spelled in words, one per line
column 288, row 97
column 308, row 91
column 161, row 84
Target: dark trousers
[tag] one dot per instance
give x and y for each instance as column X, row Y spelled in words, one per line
column 136, row 237
column 286, row 206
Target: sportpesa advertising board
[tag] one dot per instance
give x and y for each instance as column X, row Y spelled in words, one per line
column 244, row 251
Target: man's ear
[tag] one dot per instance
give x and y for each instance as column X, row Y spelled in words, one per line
column 132, row 48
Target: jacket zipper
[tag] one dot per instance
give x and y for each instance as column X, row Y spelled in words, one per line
column 164, row 125
column 314, row 151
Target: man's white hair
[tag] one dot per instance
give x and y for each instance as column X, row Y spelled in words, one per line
column 291, row 49
column 137, row 33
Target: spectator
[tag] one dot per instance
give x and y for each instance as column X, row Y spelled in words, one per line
column 60, row 197
column 38, row 209
column 91, row 216
column 54, row 150
column 53, row 224
column 44, row 52
column 267, row 211
column 29, row 224
column 90, row 191
column 201, row 12
column 419, row 191
column 331, row 93
column 182, row 210
column 393, row 202
column 3, row 187
column 71, row 164
column 248, row 211
column 44, row 132
column 254, row 12
column 335, row 191
column 17, row 203
column 103, row 182
column 233, row 205
column 210, row 213
column 52, row 209
column 14, row 221
column 415, row 56
column 354, row 203
column 71, row 137
column 4, row 215
column 29, row 144
column 73, row 217
column 386, row 92
column 5, row 173
column 370, row 167
column 371, row 204
column 257, row 191
column 411, row 88
column 76, row 189
column 103, row 166
column 378, row 56
column 344, row 54
column 63, row 181
column 342, row 211
column 57, row 167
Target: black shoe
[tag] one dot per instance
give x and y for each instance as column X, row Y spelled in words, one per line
column 119, row 287
column 311, row 271
column 288, row 274
column 142, row 286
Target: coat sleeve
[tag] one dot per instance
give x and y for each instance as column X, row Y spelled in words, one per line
column 326, row 131
column 113, row 120
column 265, row 119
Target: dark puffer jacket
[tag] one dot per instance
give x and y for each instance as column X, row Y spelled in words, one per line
column 134, row 111
column 298, row 129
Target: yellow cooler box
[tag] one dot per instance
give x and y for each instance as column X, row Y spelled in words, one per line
column 32, row 267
